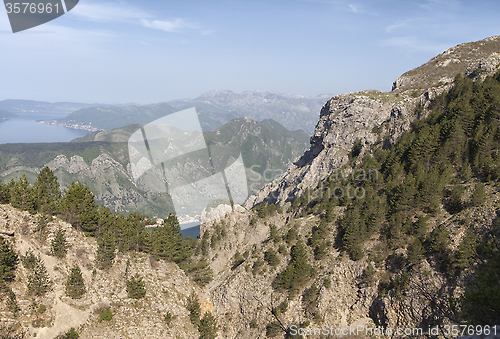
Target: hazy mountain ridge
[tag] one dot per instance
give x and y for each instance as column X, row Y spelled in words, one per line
column 214, row 109
column 22, row 107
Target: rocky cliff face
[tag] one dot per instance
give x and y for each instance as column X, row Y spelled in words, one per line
column 376, row 117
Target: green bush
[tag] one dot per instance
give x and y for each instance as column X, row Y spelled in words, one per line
column 106, row 315
column 327, row 283
column 271, row 257
column 169, row 318
column 273, row 329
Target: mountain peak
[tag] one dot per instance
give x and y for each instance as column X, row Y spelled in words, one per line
column 464, row 59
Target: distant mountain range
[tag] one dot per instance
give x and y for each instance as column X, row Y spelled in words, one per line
column 100, row 160
column 214, row 108
column 30, row 107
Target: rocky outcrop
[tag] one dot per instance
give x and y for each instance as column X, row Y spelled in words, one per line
column 471, row 59
column 373, row 117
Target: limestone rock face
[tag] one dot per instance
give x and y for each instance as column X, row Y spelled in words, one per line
column 372, row 117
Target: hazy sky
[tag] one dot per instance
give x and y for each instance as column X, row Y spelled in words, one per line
column 150, row 51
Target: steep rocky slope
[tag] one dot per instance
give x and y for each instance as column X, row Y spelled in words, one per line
column 346, row 292
column 373, row 117
column 167, row 289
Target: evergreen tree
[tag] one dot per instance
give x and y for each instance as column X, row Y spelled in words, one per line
column 479, row 195
column 167, row 240
column 297, row 273
column 59, row 245
column 271, row 257
column 4, row 193
column 106, row 250
column 194, row 308
column 79, row 208
column 75, row 286
column 136, row 288
column 208, row 326
column 8, row 260
column 22, row 196
column 416, row 252
column 47, row 191
column 39, row 282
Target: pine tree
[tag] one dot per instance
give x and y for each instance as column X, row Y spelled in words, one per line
column 194, row 308
column 106, row 250
column 208, row 326
column 22, row 196
column 167, row 240
column 59, row 245
column 39, row 282
column 479, row 195
column 47, row 191
column 79, row 208
column 297, row 273
column 416, row 252
column 75, row 286
column 8, row 260
column 136, row 288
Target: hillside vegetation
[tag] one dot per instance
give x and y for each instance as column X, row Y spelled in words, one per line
column 404, row 236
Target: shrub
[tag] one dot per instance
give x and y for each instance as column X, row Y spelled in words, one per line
column 106, row 315
column 273, row 329
column 327, row 283
column 369, row 275
column 169, row 318
column 271, row 257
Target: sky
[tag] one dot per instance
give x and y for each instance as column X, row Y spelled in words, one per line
column 152, row 51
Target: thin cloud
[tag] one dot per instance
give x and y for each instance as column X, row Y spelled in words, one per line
column 123, row 12
column 172, row 26
column 398, row 25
